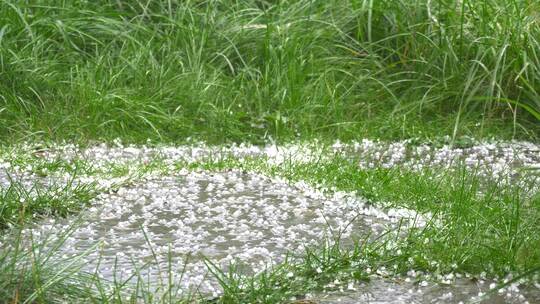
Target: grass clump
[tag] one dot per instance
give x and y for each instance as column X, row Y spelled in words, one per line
column 253, row 70
column 19, row 203
column 32, row 271
column 327, row 267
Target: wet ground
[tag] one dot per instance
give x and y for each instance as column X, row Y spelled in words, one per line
column 507, row 161
column 222, row 216
column 504, row 161
column 237, row 216
column 495, row 157
column 381, row 291
column 255, row 220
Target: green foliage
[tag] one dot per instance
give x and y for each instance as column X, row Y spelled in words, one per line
column 248, row 70
column 18, row 203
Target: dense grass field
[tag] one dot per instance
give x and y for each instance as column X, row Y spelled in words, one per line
column 450, row 73
column 254, row 70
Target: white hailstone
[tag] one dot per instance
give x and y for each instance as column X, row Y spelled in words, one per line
column 514, row 287
column 411, row 273
column 350, row 286
column 447, row 296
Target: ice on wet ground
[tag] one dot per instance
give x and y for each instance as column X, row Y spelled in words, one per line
column 234, row 215
column 394, row 291
column 496, row 156
column 9, row 173
column 226, row 217
column 242, row 217
column 493, row 159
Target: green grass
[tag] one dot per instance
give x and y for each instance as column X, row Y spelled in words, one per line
column 313, row 270
column 32, row 272
column 19, row 203
column 253, row 70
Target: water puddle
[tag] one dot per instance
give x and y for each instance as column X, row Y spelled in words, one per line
column 380, row 291
column 223, row 216
column 174, row 222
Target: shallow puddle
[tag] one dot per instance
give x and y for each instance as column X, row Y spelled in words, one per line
column 463, row 290
column 175, row 222
column 222, row 216
column 235, row 217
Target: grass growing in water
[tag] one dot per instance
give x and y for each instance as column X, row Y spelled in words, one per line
column 31, row 272
column 252, row 70
column 18, row 203
column 476, row 225
column 34, row 273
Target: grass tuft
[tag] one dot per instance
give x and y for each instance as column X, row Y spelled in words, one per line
column 19, row 203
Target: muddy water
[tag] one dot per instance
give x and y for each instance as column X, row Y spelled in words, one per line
column 216, row 215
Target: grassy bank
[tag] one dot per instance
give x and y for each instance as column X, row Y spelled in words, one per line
column 251, row 70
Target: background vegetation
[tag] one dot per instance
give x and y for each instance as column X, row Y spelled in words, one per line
column 253, row 70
